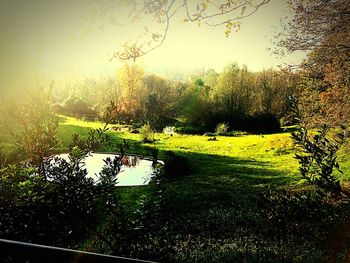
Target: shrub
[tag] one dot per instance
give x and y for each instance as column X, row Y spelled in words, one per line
column 146, row 133
column 282, row 207
column 320, row 158
column 221, row 128
column 76, row 107
column 190, row 129
column 238, row 133
column 175, row 165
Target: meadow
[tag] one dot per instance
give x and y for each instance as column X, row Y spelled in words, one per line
column 257, row 169
column 215, row 212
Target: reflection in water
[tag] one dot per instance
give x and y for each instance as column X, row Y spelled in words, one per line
column 134, row 171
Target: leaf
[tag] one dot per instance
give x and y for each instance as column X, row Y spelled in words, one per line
column 243, row 10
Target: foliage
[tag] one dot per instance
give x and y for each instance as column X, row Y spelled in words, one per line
column 190, row 129
column 146, row 133
column 320, row 159
column 137, row 233
column 316, row 25
column 212, row 214
column 210, row 13
column 175, row 165
column 159, row 101
column 233, row 90
column 322, row 29
column 33, row 209
column 283, row 207
column 243, row 99
column 33, row 128
column 48, row 199
column 195, row 105
column 75, row 106
column 221, row 129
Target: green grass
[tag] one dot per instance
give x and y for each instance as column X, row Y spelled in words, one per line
column 274, row 153
column 231, row 171
column 256, row 161
column 226, row 178
column 270, row 152
column 226, row 170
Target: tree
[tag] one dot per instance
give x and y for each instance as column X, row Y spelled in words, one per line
column 225, row 13
column 271, row 89
column 233, row 90
column 77, row 107
column 317, row 24
column 322, row 28
column 196, row 105
column 33, row 127
column 130, row 79
column 159, row 101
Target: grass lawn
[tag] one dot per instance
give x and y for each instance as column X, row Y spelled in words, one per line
column 231, row 169
column 226, row 178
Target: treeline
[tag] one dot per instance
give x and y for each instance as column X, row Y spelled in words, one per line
column 245, row 100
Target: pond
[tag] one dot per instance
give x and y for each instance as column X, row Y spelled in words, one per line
column 139, row 172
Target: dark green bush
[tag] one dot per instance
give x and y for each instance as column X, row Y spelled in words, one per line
column 50, row 200
column 287, row 208
column 175, row 165
column 319, row 158
column 190, row 129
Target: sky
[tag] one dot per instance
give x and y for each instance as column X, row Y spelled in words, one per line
column 66, row 39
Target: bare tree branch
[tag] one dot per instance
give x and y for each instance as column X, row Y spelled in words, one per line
column 228, row 13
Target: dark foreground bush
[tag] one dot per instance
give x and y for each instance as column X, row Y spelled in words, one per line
column 175, row 165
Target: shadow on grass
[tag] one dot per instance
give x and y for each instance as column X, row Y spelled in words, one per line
column 212, row 214
column 214, row 180
column 221, row 181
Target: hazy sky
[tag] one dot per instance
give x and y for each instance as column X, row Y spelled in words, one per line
column 69, row 39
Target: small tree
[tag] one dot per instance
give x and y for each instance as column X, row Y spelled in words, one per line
column 221, row 128
column 146, row 133
column 319, row 159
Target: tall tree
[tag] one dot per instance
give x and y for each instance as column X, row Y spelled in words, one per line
column 130, row 79
column 233, row 90
column 159, row 101
column 322, row 27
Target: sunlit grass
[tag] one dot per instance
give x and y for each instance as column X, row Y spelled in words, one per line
column 274, row 150
column 226, row 177
column 70, row 121
column 69, row 126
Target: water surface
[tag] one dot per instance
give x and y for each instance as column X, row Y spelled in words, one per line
column 138, row 174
